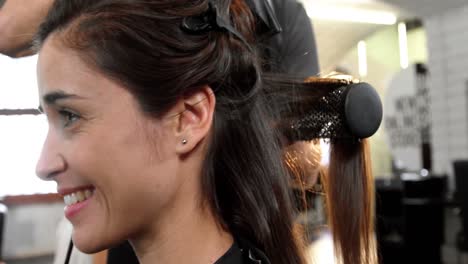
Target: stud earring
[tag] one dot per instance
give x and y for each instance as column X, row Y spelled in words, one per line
column 184, row 141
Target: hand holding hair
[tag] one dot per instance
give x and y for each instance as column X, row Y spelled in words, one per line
column 19, row 20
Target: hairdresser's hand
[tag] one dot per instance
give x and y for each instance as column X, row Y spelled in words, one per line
column 19, row 20
column 303, row 161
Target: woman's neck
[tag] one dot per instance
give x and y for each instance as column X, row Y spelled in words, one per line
column 191, row 235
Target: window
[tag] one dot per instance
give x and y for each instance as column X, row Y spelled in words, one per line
column 22, row 129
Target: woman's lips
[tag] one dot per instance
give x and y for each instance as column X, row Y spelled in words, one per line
column 72, row 210
column 76, row 199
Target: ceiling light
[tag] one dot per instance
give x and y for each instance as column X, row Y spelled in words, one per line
column 350, row 14
column 403, row 41
column 362, row 58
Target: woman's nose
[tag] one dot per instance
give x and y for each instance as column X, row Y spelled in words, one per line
column 51, row 162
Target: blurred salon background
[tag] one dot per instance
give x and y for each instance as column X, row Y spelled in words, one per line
column 414, row 53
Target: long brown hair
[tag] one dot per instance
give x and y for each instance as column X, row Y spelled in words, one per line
column 350, row 201
column 141, row 44
column 348, row 181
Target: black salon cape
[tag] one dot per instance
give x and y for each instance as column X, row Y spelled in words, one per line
column 241, row 252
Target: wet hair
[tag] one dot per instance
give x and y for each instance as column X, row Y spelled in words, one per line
column 141, row 45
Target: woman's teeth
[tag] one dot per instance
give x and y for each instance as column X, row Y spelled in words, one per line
column 77, row 197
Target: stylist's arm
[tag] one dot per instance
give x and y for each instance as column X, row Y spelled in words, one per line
column 19, row 20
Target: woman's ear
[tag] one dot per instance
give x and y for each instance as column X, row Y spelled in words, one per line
column 194, row 122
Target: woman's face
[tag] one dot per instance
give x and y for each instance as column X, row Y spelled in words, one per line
column 102, row 150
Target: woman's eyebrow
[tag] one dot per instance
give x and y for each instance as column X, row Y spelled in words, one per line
column 51, row 98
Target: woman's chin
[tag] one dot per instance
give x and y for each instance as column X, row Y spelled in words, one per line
column 89, row 244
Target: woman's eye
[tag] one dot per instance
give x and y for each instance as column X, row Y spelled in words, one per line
column 68, row 117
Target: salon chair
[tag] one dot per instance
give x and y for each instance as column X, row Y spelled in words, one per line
column 389, row 220
column 423, row 213
column 461, row 197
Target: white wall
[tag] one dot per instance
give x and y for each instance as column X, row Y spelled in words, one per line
column 407, row 154
column 447, row 39
column 31, row 230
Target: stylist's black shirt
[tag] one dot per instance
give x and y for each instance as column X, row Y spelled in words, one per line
column 293, row 51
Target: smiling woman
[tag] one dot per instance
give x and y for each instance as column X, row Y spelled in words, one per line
column 155, row 112
column 163, row 130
